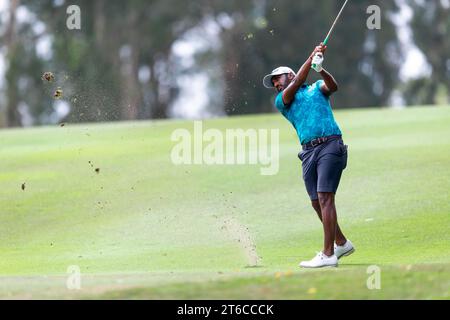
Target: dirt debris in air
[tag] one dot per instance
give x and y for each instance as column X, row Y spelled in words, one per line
column 242, row 236
column 23, row 186
column 58, row 93
column 97, row 170
column 48, row 76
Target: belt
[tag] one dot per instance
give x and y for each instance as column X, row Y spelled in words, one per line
column 319, row 141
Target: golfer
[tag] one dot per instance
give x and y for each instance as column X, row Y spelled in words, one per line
column 324, row 154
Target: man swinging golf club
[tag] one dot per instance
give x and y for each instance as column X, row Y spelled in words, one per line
column 324, row 155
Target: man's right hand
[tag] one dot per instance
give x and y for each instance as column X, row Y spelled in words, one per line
column 320, row 48
column 302, row 75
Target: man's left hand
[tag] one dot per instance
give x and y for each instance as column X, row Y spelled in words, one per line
column 317, row 62
column 319, row 49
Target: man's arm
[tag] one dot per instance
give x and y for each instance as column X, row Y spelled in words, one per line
column 330, row 86
column 300, row 78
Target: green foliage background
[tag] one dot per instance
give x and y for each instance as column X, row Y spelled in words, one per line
column 99, row 65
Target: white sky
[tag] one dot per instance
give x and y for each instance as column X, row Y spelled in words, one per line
column 415, row 64
column 193, row 100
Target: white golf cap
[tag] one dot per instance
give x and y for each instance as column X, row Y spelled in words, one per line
column 278, row 71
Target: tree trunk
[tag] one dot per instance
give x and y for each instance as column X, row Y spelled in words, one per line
column 159, row 109
column 12, row 94
column 131, row 87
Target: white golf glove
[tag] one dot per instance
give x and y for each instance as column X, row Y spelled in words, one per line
column 317, row 62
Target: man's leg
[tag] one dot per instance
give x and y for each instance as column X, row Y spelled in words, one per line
column 331, row 163
column 340, row 238
column 329, row 217
column 332, row 160
column 326, row 258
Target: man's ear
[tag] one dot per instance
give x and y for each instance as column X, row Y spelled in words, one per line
column 291, row 76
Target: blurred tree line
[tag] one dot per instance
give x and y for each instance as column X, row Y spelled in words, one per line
column 121, row 65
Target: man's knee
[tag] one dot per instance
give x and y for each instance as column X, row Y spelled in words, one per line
column 315, row 204
column 326, row 199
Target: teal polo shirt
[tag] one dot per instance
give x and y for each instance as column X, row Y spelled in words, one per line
column 310, row 113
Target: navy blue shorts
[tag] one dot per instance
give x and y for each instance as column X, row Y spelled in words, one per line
column 323, row 166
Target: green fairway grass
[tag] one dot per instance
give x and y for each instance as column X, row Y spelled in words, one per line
column 143, row 228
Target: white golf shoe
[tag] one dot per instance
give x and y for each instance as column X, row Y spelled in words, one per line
column 320, row 261
column 345, row 250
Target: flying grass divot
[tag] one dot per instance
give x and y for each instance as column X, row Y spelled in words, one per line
column 48, row 76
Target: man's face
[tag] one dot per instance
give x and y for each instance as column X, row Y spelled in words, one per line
column 281, row 82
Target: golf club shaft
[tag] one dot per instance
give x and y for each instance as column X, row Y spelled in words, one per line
column 334, row 24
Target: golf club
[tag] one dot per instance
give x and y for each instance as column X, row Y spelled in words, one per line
column 325, row 42
column 334, row 24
